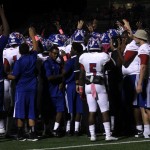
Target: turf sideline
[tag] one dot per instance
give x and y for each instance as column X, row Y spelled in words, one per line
column 90, row 145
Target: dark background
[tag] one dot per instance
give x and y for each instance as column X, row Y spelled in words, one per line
column 19, row 11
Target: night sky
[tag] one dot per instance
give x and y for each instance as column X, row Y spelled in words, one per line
column 19, row 11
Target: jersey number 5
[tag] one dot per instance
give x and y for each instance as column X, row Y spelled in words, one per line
column 93, row 68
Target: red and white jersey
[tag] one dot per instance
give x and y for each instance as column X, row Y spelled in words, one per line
column 149, row 65
column 144, row 49
column 144, row 54
column 94, row 62
column 10, row 55
column 134, row 67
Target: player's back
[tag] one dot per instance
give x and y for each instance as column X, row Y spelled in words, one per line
column 94, row 62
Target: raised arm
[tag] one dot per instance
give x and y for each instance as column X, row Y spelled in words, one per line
column 80, row 24
column 58, row 26
column 128, row 28
column 5, row 26
column 32, row 34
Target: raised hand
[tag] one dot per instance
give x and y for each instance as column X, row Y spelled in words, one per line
column 80, row 24
column 1, row 10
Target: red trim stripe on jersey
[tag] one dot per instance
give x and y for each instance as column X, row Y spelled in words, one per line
column 129, row 55
column 144, row 59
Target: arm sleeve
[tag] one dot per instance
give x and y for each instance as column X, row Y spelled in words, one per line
column 144, row 59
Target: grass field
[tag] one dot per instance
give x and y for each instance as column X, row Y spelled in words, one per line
column 76, row 143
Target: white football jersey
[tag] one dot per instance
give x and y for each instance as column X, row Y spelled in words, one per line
column 145, row 49
column 11, row 54
column 94, row 62
column 68, row 49
column 134, row 67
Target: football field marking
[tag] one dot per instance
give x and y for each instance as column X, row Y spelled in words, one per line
column 90, row 145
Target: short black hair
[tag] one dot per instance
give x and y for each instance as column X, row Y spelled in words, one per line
column 77, row 47
column 24, row 49
column 54, row 47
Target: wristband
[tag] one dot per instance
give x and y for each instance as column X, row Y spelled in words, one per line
column 65, row 58
column 81, row 89
column 36, row 38
column 61, row 31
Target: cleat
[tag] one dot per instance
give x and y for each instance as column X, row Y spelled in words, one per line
column 56, row 133
column 93, row 138
column 21, row 139
column 20, row 136
column 32, row 137
column 111, row 138
column 139, row 133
